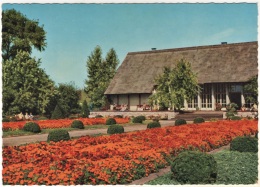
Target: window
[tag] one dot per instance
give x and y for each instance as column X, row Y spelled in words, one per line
column 193, row 103
column 220, row 94
column 206, row 100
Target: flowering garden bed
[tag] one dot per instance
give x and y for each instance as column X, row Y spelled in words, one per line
column 115, row 159
column 61, row 123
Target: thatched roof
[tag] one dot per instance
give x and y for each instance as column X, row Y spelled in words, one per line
column 213, row 64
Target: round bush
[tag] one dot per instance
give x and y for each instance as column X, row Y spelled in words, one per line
column 58, row 135
column 153, row 125
column 194, row 167
column 198, row 120
column 118, row 116
column 244, row 144
column 235, row 118
column 180, row 122
column 77, row 124
column 138, row 119
column 32, row 127
column 115, row 129
column 98, row 116
column 110, row 121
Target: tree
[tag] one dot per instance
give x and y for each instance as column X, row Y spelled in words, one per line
column 68, row 98
column 84, row 110
column 20, row 33
column 100, row 73
column 58, row 112
column 175, row 85
column 26, row 87
column 252, row 88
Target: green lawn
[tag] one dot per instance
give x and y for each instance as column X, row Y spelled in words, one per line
column 233, row 168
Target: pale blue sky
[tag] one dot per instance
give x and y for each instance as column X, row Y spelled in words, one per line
column 74, row 30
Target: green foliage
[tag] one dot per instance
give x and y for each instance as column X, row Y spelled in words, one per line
column 100, row 72
column 244, row 144
column 198, row 120
column 180, row 122
column 42, row 118
column 110, row 121
column 138, row 119
column 175, row 85
column 58, row 113
column 84, row 110
column 236, row 167
column 20, row 34
column 32, row 127
column 194, row 167
column 233, row 168
column 153, row 125
column 58, row 135
column 68, row 98
column 115, row 129
column 231, row 110
column 98, row 116
column 5, row 120
column 26, row 87
column 235, row 118
column 252, row 88
column 77, row 124
column 118, row 116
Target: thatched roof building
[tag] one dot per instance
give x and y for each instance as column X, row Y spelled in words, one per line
column 225, row 63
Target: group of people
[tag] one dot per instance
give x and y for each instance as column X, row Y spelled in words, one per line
column 26, row 116
column 252, row 109
column 122, row 107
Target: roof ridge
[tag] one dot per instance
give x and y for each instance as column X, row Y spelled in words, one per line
column 192, row 48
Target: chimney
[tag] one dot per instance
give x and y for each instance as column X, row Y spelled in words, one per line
column 223, row 43
column 153, row 49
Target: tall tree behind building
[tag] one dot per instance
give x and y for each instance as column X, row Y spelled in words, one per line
column 100, row 72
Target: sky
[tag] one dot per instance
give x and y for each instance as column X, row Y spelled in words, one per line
column 74, row 30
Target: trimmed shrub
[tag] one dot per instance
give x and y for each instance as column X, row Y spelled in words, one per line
column 256, row 135
column 194, row 167
column 85, row 110
column 198, row 120
column 115, row 129
column 57, row 113
column 142, row 117
column 235, row 118
column 77, row 124
column 58, row 135
column 98, row 116
column 138, row 119
column 32, row 127
column 153, row 125
column 110, row 121
column 180, row 122
column 244, row 144
column 118, row 116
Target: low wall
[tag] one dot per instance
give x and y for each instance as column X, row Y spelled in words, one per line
column 242, row 114
column 148, row 114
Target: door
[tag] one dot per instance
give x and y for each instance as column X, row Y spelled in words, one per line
column 235, row 98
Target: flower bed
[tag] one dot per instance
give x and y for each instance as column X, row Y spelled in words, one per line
column 61, row 123
column 115, row 159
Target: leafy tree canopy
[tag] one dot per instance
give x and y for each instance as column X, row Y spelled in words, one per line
column 175, row 85
column 100, row 72
column 252, row 88
column 26, row 87
column 20, row 33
